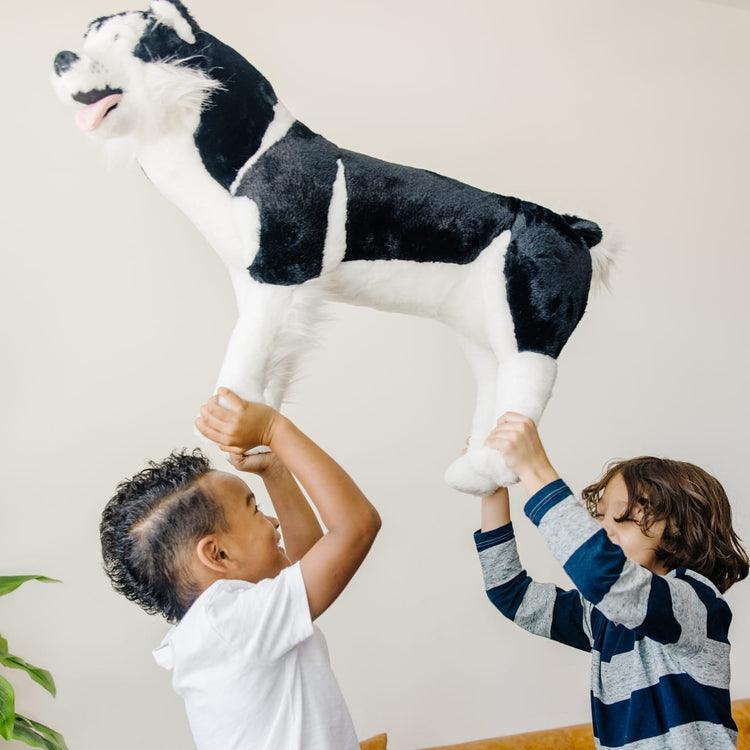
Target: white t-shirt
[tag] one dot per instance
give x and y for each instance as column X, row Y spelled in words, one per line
column 254, row 671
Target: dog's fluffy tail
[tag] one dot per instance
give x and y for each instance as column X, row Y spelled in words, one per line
column 603, row 256
column 603, row 247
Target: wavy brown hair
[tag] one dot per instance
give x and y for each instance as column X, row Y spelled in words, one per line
column 698, row 531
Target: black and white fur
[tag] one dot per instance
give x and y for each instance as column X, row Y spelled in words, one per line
column 298, row 220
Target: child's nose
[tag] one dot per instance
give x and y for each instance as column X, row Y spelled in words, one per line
column 273, row 520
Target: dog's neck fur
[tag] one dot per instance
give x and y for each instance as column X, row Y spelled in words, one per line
column 227, row 124
column 238, row 113
column 177, row 170
column 182, row 161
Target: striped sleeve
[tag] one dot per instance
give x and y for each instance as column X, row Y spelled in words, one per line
column 540, row 608
column 671, row 610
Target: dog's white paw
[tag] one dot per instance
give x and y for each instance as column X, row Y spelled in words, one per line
column 489, row 463
column 256, row 450
column 462, row 476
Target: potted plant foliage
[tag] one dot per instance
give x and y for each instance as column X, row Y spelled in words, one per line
column 13, row 726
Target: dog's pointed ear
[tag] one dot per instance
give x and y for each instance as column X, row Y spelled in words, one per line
column 174, row 14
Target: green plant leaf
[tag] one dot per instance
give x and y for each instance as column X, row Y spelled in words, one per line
column 40, row 676
column 7, row 708
column 25, row 734
column 3, row 645
column 37, row 735
column 11, row 583
column 51, row 734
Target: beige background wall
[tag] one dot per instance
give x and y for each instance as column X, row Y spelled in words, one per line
column 114, row 316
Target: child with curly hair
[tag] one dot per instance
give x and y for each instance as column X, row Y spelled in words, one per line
column 650, row 551
column 191, row 543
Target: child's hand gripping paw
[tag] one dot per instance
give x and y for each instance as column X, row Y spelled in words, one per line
column 235, row 425
column 516, row 438
column 261, row 461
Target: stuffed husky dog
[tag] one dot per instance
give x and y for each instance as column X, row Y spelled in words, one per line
column 298, row 220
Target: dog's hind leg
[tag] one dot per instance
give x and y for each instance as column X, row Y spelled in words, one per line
column 547, row 273
column 524, row 385
column 461, row 474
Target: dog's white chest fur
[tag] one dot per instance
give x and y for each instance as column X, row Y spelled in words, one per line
column 231, row 225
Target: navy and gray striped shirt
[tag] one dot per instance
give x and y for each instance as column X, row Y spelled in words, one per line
column 660, row 647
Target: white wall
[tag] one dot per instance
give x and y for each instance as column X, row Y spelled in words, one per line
column 115, row 314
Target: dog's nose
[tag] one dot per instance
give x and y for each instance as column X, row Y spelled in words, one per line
column 64, row 60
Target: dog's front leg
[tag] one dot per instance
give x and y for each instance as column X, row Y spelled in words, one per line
column 262, row 313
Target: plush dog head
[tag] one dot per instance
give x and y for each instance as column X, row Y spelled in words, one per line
column 138, row 74
column 144, row 75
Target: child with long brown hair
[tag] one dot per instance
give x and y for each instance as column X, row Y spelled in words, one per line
column 650, row 552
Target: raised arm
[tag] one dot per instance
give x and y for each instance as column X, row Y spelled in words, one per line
column 667, row 609
column 350, row 519
column 540, row 608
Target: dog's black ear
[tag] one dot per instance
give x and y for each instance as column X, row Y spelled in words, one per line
column 174, row 14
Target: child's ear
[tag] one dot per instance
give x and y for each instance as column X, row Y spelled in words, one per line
column 211, row 554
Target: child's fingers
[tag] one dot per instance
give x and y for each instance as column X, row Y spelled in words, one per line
column 506, row 428
column 513, row 417
column 234, row 452
column 233, row 400
column 496, row 438
column 505, row 437
column 235, row 458
column 214, row 411
column 515, row 429
column 209, row 431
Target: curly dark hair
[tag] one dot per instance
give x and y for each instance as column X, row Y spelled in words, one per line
column 149, row 527
column 694, row 506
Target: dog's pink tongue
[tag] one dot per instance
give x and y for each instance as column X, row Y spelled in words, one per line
column 90, row 117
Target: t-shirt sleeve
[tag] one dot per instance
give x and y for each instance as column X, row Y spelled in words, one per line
column 264, row 620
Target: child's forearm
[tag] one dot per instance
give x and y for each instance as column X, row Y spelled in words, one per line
column 351, row 520
column 531, row 605
column 298, row 521
column 333, row 492
column 535, row 477
column 496, row 510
